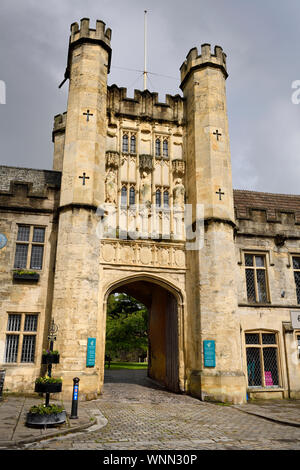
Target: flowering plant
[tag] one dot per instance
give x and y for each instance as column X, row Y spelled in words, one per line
column 47, row 352
column 45, row 410
column 48, row 380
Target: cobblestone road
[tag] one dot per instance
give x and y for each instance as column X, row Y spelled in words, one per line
column 141, row 415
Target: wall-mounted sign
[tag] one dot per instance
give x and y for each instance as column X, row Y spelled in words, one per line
column 295, row 318
column 209, row 351
column 91, row 352
column 3, row 240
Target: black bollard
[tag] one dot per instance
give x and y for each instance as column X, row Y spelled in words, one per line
column 75, row 398
column 2, row 377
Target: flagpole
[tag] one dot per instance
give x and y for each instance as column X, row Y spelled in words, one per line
column 145, row 49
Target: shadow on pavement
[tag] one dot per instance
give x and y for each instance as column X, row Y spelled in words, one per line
column 129, row 376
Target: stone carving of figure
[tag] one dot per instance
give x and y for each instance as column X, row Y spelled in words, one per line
column 145, row 191
column 111, row 187
column 178, row 193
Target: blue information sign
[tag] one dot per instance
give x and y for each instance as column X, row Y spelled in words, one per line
column 91, row 352
column 209, row 353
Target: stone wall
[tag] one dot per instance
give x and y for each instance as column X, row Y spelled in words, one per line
column 27, row 197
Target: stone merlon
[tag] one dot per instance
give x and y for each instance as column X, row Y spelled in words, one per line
column 85, row 31
column 194, row 61
column 144, row 104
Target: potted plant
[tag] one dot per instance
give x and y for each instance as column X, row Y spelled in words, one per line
column 25, row 275
column 42, row 415
column 50, row 357
column 48, row 384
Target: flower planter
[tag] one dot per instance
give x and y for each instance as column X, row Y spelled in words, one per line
column 44, row 420
column 34, row 277
column 48, row 388
column 50, row 359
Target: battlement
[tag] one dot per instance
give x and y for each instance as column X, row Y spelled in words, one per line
column 100, row 33
column 206, row 58
column 267, row 207
column 27, row 189
column 144, row 104
column 59, row 124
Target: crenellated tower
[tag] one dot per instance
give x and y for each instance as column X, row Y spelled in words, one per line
column 211, row 289
column 76, row 298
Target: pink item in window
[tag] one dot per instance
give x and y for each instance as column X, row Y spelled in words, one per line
column 268, row 378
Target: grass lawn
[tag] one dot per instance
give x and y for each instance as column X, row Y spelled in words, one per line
column 127, row 365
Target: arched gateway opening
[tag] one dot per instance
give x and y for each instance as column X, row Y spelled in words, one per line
column 163, row 327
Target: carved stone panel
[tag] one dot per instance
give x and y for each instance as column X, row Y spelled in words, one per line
column 146, row 162
column 178, row 167
column 143, row 253
column 112, row 159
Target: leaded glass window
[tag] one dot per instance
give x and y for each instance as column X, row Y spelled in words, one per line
column 124, row 196
column 125, row 143
column 256, row 278
column 131, row 196
column 262, row 359
column 21, row 255
column 158, row 198
column 165, row 148
column 157, row 147
column 29, row 247
column 166, row 198
column 132, row 144
column 24, row 328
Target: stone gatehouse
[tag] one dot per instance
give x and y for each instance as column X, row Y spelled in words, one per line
column 110, row 217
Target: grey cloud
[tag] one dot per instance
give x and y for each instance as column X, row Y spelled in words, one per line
column 260, row 39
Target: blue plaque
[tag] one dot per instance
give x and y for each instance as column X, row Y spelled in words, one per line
column 91, row 352
column 209, row 353
column 3, row 240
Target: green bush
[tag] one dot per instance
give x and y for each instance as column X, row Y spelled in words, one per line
column 24, row 271
column 47, row 352
column 45, row 410
column 48, row 380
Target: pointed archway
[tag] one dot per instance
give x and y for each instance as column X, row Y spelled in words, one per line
column 163, row 329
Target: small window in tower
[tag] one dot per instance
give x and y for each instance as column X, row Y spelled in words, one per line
column 132, row 144
column 124, row 196
column 131, row 196
column 166, row 198
column 125, row 143
column 157, row 148
column 165, row 148
column 158, row 198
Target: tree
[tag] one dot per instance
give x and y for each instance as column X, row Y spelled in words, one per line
column 126, row 326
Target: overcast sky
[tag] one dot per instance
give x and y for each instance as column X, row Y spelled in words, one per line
column 261, row 40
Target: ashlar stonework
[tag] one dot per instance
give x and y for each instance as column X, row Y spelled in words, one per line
column 128, row 166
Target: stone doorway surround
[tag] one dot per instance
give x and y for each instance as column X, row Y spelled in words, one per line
column 165, row 303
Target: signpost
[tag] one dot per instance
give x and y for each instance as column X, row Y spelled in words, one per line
column 91, row 352
column 209, row 353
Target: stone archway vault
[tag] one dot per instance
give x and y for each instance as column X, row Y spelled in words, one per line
column 164, row 303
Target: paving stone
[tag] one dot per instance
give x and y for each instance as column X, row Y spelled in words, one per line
column 142, row 415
